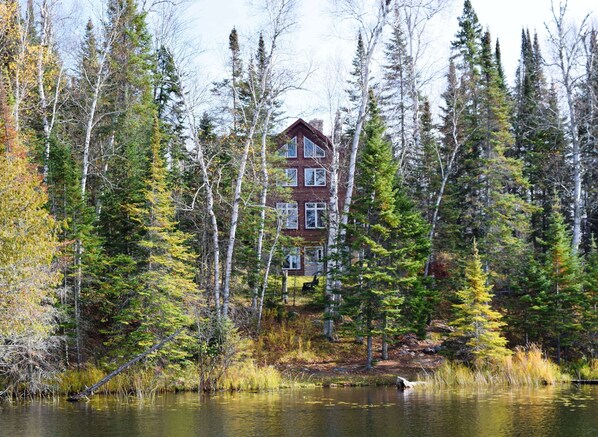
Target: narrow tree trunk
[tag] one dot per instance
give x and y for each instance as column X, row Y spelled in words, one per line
column 332, row 252
column 205, row 173
column 234, row 219
column 44, row 43
column 77, row 299
column 262, row 205
column 267, row 271
column 384, row 341
column 369, row 341
column 446, row 172
column 285, row 286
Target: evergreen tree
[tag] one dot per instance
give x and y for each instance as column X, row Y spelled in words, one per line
column 399, row 103
column 588, row 115
column 539, row 141
column 389, row 238
column 355, row 86
column 590, row 319
column 476, row 322
column 165, row 296
column 561, row 305
column 504, row 226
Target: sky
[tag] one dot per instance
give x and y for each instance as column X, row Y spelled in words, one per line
column 319, row 39
column 321, row 44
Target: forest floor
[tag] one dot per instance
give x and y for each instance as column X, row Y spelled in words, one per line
column 297, row 348
column 410, row 358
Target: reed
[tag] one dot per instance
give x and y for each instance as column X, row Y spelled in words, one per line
column 250, row 377
column 139, row 382
column 525, row 367
column 586, row 369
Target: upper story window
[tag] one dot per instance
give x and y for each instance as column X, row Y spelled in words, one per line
column 290, row 214
column 315, row 177
column 289, row 150
column 290, row 178
column 311, row 150
column 314, row 215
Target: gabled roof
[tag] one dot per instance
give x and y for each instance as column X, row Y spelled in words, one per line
column 319, row 135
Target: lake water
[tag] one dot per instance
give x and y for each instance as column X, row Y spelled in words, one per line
column 546, row 411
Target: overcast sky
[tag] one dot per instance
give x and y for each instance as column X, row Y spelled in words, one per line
column 318, row 40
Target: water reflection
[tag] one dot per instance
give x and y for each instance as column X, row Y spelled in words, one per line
column 546, row 411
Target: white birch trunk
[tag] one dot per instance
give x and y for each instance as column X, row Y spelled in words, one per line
column 43, row 101
column 365, row 68
column 332, row 252
column 260, row 94
column 445, row 172
column 567, row 43
column 262, row 205
column 267, row 270
column 203, row 165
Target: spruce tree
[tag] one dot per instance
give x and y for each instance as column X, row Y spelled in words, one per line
column 539, row 140
column 505, row 214
column 388, row 236
column 476, row 322
column 590, row 319
column 165, row 297
column 561, row 305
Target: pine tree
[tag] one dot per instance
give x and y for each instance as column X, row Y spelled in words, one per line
column 504, row 225
column 590, row 319
column 389, row 237
column 561, row 305
column 165, row 298
column 539, row 141
column 477, row 323
column 399, row 103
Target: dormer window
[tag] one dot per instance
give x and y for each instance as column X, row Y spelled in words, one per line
column 311, row 150
column 289, row 150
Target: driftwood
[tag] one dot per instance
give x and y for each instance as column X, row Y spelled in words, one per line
column 585, row 381
column 403, row 384
column 89, row 390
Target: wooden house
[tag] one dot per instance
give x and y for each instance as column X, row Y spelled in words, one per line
column 307, row 159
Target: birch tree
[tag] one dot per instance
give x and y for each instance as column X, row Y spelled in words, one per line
column 280, row 21
column 370, row 28
column 567, row 46
column 47, row 64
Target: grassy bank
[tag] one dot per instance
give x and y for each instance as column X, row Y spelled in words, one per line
column 523, row 368
column 148, row 382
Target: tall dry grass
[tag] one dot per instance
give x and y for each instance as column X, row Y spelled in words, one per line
column 524, row 367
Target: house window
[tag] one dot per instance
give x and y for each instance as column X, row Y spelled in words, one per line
column 290, row 178
column 289, row 150
column 290, row 215
column 314, row 254
column 314, row 215
column 292, row 260
column 315, row 177
column 310, row 150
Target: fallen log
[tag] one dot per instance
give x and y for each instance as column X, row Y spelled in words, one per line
column 403, row 384
column 89, row 390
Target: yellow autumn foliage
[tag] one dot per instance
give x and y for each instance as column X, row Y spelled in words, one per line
column 27, row 238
